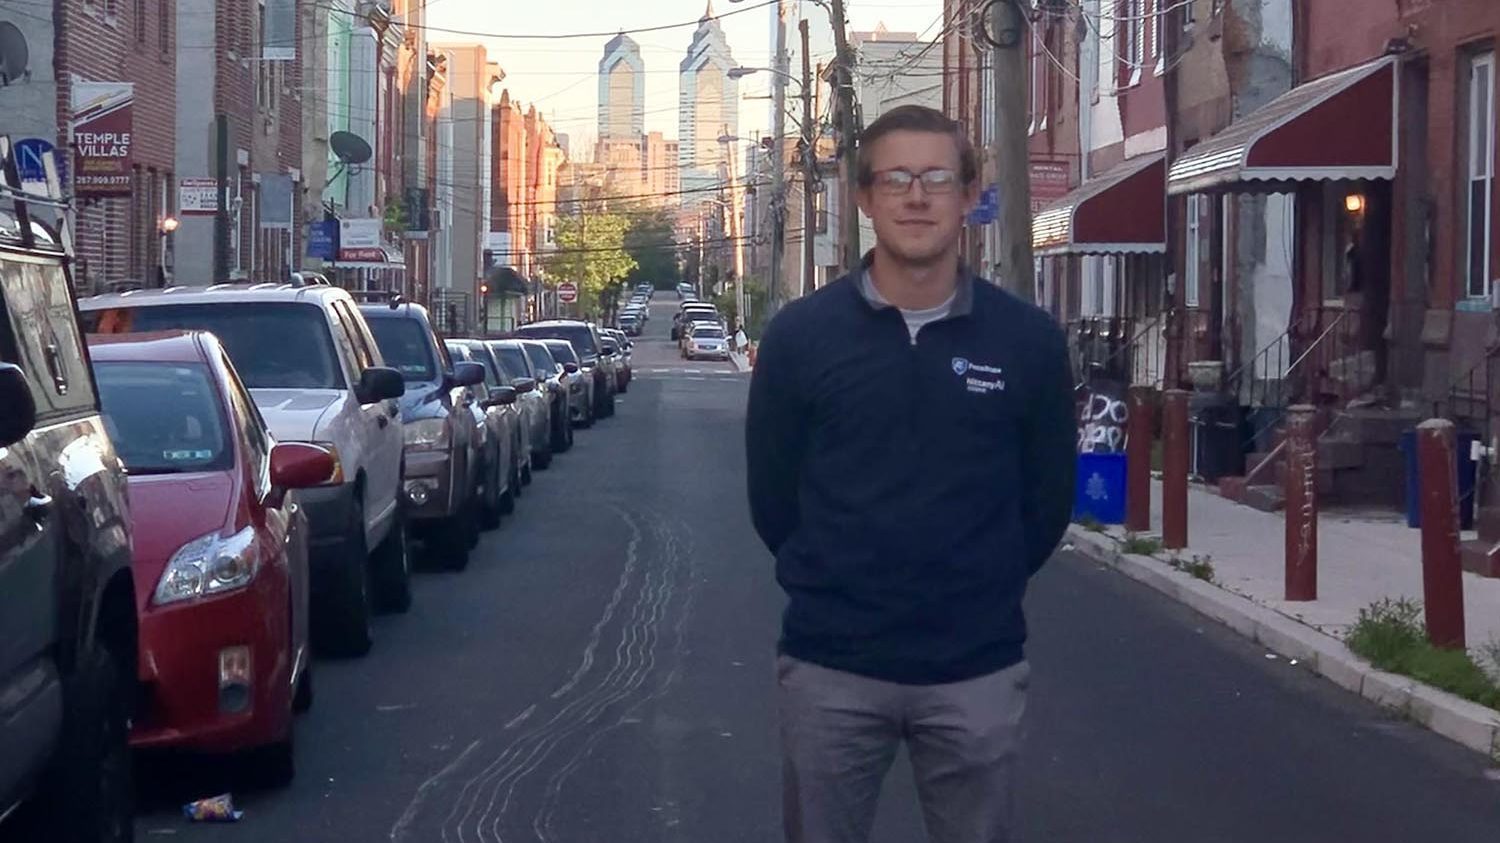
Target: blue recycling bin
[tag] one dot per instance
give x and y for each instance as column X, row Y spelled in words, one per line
column 1463, row 439
column 1100, row 489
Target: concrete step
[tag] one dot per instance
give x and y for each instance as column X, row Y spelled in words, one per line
column 1481, row 557
column 1339, row 452
column 1265, row 498
column 1325, row 478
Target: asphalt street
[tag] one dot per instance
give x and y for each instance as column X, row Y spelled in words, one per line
column 603, row 673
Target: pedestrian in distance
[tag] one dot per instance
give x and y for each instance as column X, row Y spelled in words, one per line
column 911, row 441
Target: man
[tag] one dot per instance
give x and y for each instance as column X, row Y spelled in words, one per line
column 911, row 455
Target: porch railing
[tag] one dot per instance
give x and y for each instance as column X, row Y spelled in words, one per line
column 1320, row 360
column 1119, row 349
column 1468, row 402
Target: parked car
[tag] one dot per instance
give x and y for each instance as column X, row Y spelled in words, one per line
column 631, row 323
column 622, row 345
column 591, row 358
column 645, row 289
column 494, row 405
column 706, row 341
column 444, row 467
column 684, row 290
column 317, row 375
column 220, row 549
column 67, row 599
column 535, row 400
column 580, row 386
column 688, row 312
column 694, row 320
column 555, row 380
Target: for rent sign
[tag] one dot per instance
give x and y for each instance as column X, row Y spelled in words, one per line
column 102, row 137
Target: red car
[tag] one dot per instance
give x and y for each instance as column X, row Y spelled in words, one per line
column 220, row 548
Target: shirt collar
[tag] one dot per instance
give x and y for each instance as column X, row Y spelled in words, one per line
column 963, row 293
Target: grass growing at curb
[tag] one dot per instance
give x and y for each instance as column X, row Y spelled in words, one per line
column 1090, row 523
column 1201, row 567
column 1391, row 635
column 1140, row 545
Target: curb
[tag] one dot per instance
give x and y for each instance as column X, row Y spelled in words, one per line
column 1470, row 724
column 740, row 362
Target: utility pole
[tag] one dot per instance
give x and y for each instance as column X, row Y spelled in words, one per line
column 1013, row 267
column 778, row 161
column 809, row 167
column 848, row 136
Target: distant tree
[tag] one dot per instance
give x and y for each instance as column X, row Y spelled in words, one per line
column 591, row 253
column 652, row 241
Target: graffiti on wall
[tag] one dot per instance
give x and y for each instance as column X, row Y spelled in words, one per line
column 1102, row 422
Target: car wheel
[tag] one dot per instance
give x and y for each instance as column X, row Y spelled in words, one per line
column 346, row 624
column 88, row 797
column 490, row 510
column 473, row 512
column 526, row 475
column 450, row 538
column 518, row 477
column 542, row 458
column 302, row 701
column 508, row 500
column 391, row 564
column 275, row 765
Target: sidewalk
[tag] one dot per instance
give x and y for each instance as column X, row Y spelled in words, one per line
column 741, row 362
column 1363, row 557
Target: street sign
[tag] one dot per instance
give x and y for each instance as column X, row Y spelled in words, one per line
column 567, row 292
column 30, row 154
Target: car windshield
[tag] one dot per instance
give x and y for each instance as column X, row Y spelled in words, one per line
column 513, row 360
column 562, row 352
column 708, row 333
column 482, row 355
column 404, row 345
column 579, row 335
column 164, row 418
column 609, row 344
column 541, row 361
column 273, row 345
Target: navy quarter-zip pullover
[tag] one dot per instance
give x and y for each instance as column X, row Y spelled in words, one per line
column 910, row 486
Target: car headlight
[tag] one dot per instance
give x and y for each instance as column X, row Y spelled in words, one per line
column 209, row 565
column 426, row 435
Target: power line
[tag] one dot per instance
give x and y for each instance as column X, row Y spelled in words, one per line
column 560, row 36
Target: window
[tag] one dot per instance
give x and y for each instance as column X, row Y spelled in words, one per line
column 1192, row 264
column 405, row 345
column 37, row 300
column 164, row 25
column 164, row 418
column 253, row 428
column 140, row 21
column 1130, row 40
column 1156, row 44
column 1480, row 136
column 1039, row 106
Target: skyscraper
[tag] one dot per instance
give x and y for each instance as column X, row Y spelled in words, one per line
column 622, row 91
column 708, row 107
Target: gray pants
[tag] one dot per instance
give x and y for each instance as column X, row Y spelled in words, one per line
column 840, row 733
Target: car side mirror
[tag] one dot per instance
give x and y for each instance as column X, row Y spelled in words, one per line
column 524, row 385
column 570, row 368
column 468, row 373
column 298, row 465
column 379, row 383
column 501, row 396
column 17, row 407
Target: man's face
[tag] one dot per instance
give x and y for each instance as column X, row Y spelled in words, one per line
column 917, row 217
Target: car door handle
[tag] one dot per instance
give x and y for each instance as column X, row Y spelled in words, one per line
column 39, row 507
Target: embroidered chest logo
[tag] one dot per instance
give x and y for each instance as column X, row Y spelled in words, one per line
column 977, row 378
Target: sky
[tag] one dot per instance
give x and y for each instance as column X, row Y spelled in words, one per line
column 561, row 76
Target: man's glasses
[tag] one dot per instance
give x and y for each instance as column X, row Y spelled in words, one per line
column 899, row 182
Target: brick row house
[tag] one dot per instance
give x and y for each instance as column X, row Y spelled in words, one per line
column 1273, row 201
column 251, row 139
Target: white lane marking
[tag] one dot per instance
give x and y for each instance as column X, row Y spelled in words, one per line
column 398, row 831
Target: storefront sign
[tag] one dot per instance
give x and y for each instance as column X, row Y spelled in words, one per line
column 360, row 239
column 102, row 116
column 1049, row 183
column 323, row 239
column 197, row 197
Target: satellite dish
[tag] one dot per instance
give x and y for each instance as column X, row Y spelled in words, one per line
column 350, row 148
column 15, row 56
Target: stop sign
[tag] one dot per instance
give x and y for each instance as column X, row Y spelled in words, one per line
column 567, row 292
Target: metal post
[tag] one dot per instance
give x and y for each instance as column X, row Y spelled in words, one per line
column 1301, row 489
column 848, row 137
column 1138, row 441
column 1442, row 572
column 809, row 168
column 778, row 160
column 1174, row 461
column 1013, row 264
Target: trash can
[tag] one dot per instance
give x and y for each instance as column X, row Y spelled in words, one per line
column 1100, row 489
column 1218, row 441
column 1463, row 441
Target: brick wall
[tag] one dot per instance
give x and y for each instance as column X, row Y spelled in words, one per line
column 122, row 41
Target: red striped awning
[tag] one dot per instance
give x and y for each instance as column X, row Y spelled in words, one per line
column 1123, row 211
column 1341, row 126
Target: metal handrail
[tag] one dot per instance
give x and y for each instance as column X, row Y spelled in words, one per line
column 1131, row 343
column 1281, row 411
